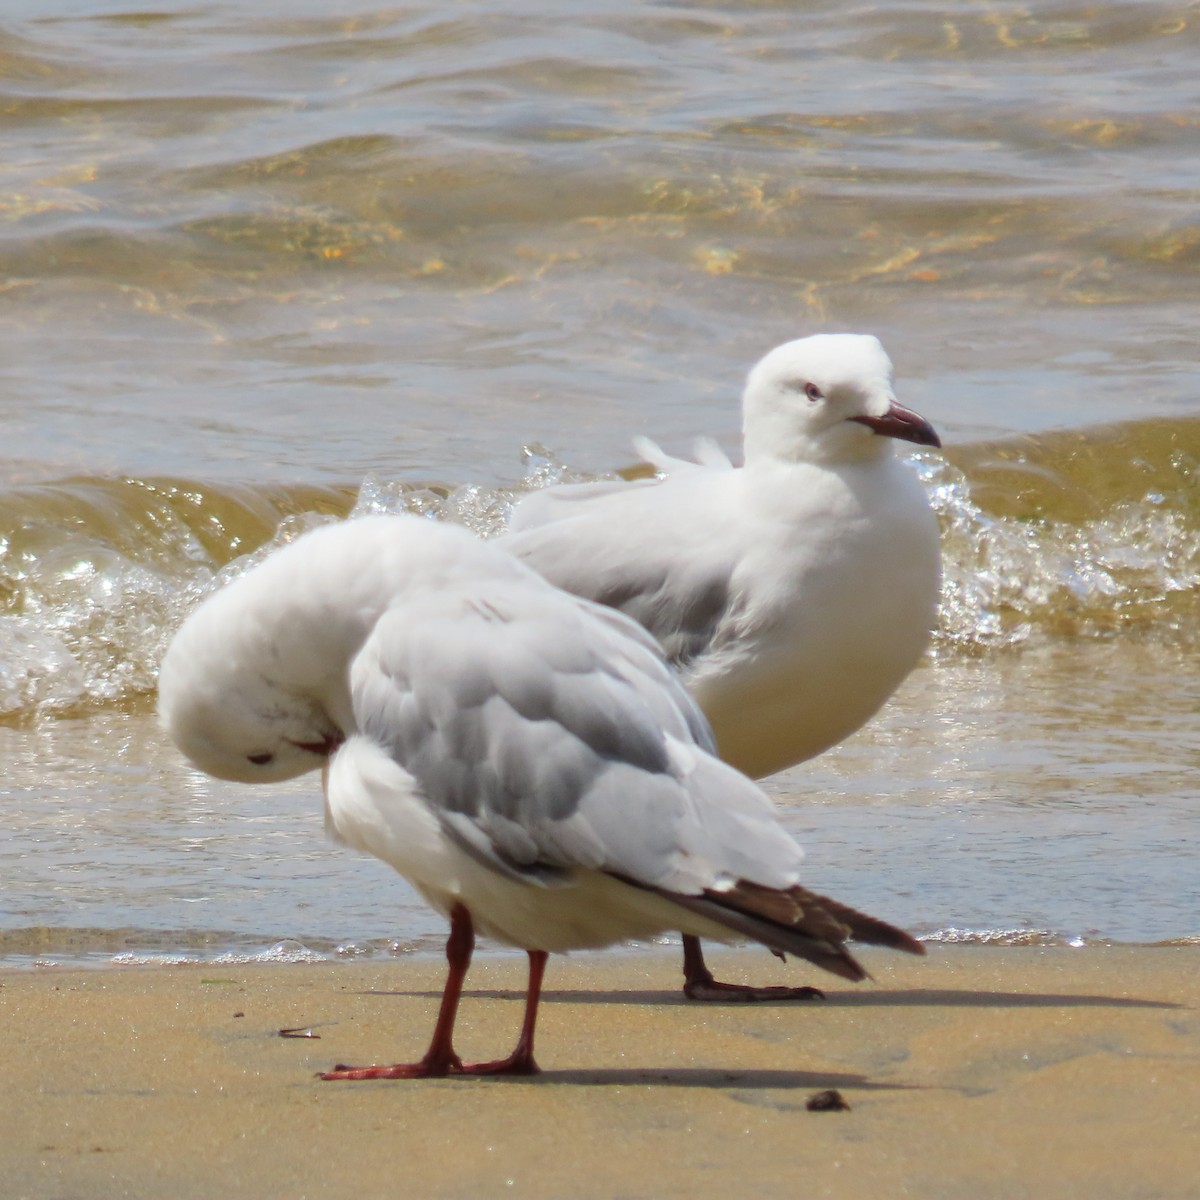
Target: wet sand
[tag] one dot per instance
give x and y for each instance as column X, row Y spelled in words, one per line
column 979, row 1072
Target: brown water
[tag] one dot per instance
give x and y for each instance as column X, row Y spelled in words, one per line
column 253, row 258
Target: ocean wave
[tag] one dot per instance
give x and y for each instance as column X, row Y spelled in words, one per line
column 1131, row 563
column 1082, row 536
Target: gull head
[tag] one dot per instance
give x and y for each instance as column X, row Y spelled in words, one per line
column 255, row 686
column 247, row 689
column 829, row 399
column 230, row 720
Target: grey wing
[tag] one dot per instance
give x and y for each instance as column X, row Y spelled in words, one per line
column 650, row 561
column 547, row 735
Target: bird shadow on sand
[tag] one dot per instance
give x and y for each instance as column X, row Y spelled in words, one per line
column 956, row 998
column 877, row 998
column 730, row 1079
column 706, row 1077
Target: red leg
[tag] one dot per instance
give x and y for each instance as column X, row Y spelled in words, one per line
column 440, row 1059
column 699, row 984
column 520, row 1061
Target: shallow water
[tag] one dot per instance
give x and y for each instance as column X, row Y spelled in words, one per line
column 252, row 261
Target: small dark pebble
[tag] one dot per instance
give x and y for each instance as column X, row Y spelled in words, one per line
column 828, row 1101
column 241, row 1014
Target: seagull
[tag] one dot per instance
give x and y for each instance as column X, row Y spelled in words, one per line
column 527, row 759
column 795, row 593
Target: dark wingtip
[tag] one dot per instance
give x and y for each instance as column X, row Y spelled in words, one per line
column 865, row 928
column 794, row 921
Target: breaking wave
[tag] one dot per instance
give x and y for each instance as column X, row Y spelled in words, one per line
column 1058, row 536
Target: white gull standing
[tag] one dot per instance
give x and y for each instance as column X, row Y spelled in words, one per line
column 794, row 594
column 525, row 758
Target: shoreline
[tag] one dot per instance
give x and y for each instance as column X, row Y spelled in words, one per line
column 978, row 1071
column 136, row 954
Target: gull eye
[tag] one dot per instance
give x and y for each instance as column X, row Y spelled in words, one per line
column 813, row 392
column 260, row 760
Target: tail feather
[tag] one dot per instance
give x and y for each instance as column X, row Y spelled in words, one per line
column 799, row 939
column 865, row 928
column 796, row 921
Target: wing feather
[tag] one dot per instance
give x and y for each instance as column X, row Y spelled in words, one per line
column 656, row 563
column 550, row 734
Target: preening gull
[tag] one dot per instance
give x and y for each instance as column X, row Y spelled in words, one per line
column 795, row 593
column 527, row 759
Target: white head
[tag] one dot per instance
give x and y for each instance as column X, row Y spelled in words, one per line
column 255, row 685
column 826, row 398
column 230, row 695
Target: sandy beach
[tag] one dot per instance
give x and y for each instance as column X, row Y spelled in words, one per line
column 979, row 1072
